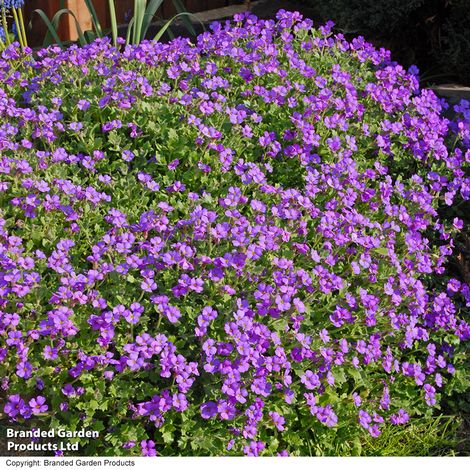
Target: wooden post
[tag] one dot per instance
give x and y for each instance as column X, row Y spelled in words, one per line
column 79, row 8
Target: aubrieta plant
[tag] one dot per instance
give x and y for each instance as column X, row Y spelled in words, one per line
column 227, row 247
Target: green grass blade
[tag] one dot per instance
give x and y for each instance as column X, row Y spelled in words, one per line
column 130, row 30
column 139, row 14
column 94, row 18
column 55, row 24
column 23, row 28
column 112, row 14
column 181, row 9
column 168, row 24
column 150, row 11
column 65, row 11
column 50, row 27
column 5, row 27
column 90, row 36
column 18, row 27
column 183, row 14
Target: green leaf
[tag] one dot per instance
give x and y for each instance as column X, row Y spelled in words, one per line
column 339, row 375
column 185, row 17
column 94, row 17
column 139, row 15
column 381, row 251
column 150, row 11
column 52, row 30
column 112, row 15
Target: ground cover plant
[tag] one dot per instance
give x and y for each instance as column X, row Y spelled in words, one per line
column 228, row 247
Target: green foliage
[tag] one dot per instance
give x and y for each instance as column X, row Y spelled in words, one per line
column 144, row 12
column 163, row 135
column 426, row 436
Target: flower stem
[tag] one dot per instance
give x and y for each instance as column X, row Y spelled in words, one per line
column 23, row 29
column 5, row 27
column 18, row 27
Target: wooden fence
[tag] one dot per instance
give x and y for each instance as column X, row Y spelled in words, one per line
column 124, row 8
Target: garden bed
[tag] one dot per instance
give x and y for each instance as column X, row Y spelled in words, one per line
column 231, row 246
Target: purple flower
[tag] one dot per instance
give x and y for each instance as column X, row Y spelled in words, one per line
column 174, row 164
column 401, row 417
column 310, row 380
column 278, row 420
column 357, row 399
column 69, row 390
column 254, row 448
column 15, row 406
column 148, row 285
column 430, row 394
column 83, row 105
column 364, row 419
column 148, row 448
column 128, row 155
column 38, row 405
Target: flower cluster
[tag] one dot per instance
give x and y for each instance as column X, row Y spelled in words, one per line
column 8, row 4
column 227, row 247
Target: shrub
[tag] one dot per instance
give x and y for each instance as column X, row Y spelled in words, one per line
column 455, row 41
column 226, row 247
column 383, row 16
column 434, row 32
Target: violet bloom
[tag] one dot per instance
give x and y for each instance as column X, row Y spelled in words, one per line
column 50, row 353
column 278, row 420
column 254, row 448
column 38, row 405
column 430, row 394
column 148, row 285
column 128, row 155
column 14, row 406
column 174, row 164
column 180, row 403
column 310, row 380
column 364, row 419
column 68, row 390
column 108, row 374
column 356, row 399
column 402, row 417
column 64, row 407
column 148, row 448
column 105, row 179
column 83, row 105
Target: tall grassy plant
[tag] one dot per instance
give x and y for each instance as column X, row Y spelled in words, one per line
column 144, row 12
column 15, row 10
column 4, row 24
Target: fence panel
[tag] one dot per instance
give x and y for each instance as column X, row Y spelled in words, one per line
column 124, row 8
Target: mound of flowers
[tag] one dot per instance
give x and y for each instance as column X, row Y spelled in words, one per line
column 228, row 247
